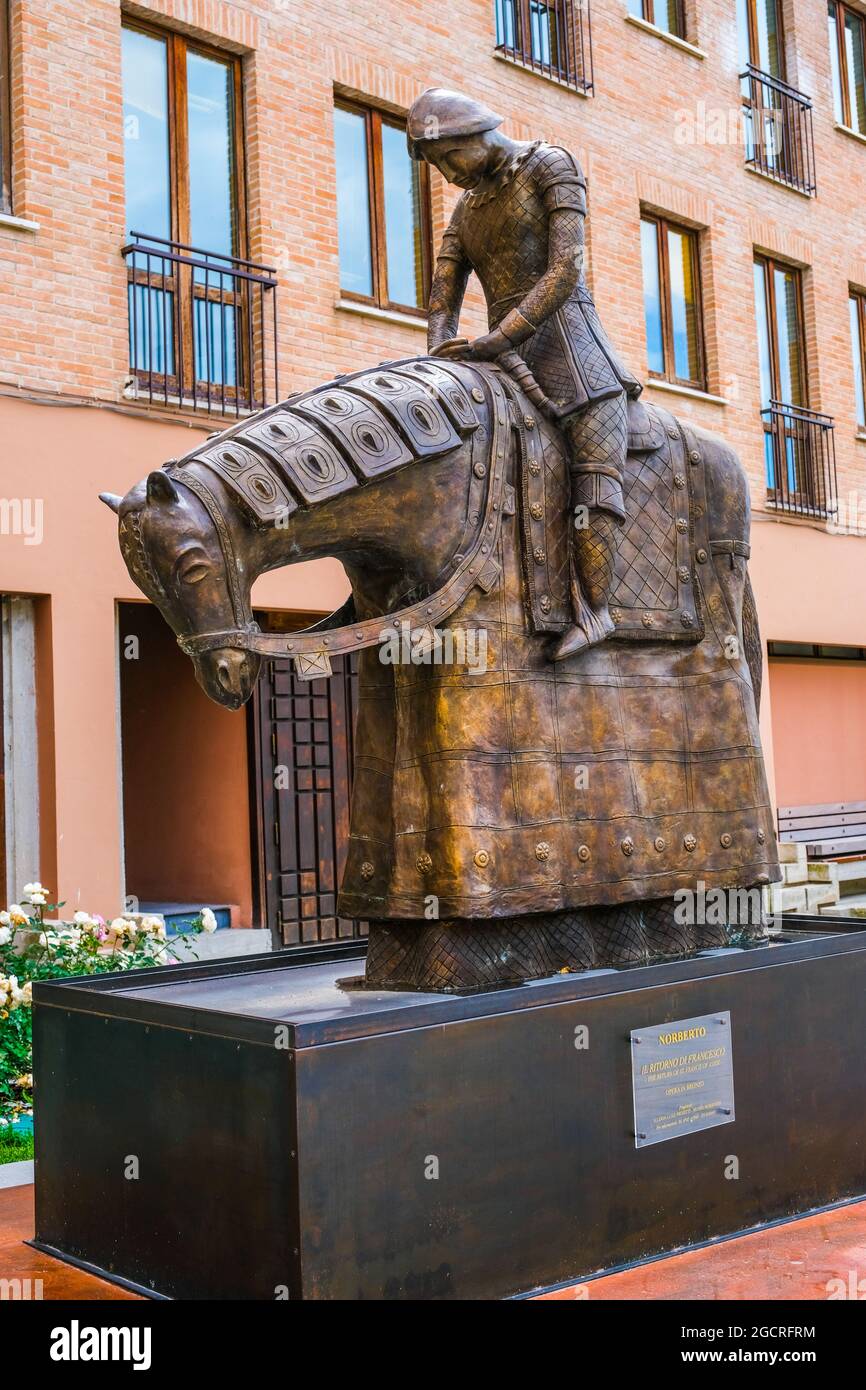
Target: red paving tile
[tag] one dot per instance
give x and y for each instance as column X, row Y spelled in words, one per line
column 19, row 1261
column 794, row 1261
column 790, row 1262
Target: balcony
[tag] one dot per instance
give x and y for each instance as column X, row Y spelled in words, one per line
column 800, row 458
column 778, row 131
column 202, row 328
column 552, row 39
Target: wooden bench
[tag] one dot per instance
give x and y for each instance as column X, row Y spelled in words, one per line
column 826, row 830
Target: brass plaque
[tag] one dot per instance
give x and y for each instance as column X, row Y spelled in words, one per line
column 682, row 1078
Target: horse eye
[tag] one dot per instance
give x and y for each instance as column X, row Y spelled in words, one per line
column 195, row 574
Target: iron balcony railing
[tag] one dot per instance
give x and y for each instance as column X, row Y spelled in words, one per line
column 202, row 327
column 800, row 456
column 553, row 38
column 778, row 130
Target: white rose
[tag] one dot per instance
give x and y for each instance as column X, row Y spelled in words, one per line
column 38, row 899
column 118, row 924
column 31, row 888
column 5, row 935
column 81, row 919
column 208, row 921
column 5, row 919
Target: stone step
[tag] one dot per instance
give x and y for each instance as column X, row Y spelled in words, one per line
column 792, row 853
column 821, row 895
column 846, row 907
column 823, row 871
column 847, row 878
column 238, row 941
column 782, row 897
column 813, row 875
column 795, row 873
column 851, row 870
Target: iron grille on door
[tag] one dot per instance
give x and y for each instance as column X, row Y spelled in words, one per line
column 305, row 748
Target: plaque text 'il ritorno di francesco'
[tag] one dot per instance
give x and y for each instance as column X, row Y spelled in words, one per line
column 682, row 1077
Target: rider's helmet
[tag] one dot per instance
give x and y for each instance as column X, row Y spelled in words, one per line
column 439, row 114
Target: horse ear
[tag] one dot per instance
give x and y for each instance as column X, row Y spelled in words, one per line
column 160, row 488
column 111, row 499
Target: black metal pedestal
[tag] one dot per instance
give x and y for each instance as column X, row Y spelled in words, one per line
column 250, row 1129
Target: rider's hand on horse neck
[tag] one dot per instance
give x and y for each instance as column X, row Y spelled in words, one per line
column 452, row 347
column 484, row 349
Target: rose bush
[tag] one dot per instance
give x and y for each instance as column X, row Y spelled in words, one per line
column 33, row 948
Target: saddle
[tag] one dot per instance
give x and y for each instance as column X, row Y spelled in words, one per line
column 653, row 594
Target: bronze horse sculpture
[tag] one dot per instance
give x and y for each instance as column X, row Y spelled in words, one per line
column 522, row 816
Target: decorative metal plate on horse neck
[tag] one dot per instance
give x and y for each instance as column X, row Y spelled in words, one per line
column 447, row 387
column 413, row 409
column 366, row 434
column 310, row 463
column 338, row 436
column 249, row 476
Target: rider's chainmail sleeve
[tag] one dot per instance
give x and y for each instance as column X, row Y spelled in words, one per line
column 560, row 182
column 557, row 284
column 448, row 287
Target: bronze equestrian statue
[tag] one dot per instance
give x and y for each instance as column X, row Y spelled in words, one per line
column 537, row 811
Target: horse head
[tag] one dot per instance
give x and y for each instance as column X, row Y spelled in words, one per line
column 173, row 553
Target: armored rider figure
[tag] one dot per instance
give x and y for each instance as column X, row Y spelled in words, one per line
column 520, row 226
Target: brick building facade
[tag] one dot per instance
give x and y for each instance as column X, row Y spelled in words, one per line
column 651, row 101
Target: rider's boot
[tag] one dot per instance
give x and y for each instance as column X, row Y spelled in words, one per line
column 594, row 556
column 597, row 439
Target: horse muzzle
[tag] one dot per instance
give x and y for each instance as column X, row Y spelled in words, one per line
column 228, row 676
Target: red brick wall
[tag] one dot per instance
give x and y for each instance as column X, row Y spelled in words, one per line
column 62, row 293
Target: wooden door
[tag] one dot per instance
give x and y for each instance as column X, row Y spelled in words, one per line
column 304, row 742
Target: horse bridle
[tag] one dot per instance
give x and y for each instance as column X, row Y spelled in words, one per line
column 311, row 648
